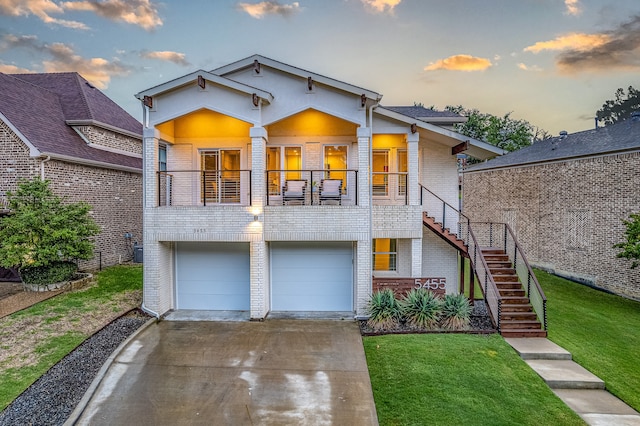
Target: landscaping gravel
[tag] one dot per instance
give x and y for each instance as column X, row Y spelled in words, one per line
column 54, row 396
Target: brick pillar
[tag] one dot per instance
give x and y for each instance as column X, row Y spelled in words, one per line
column 260, row 296
column 364, row 139
column 413, row 167
column 416, row 257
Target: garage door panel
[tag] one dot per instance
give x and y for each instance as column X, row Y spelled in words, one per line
column 314, row 276
column 213, row 276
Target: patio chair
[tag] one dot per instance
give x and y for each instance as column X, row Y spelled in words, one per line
column 330, row 190
column 294, row 190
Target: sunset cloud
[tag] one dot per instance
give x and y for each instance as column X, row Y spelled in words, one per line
column 525, row 67
column 460, row 63
column 63, row 58
column 573, row 7
column 615, row 49
column 12, row 69
column 381, row 6
column 574, row 41
column 166, row 55
column 136, row 12
column 260, row 10
column 43, row 9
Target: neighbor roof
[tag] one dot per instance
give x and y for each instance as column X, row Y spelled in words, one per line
column 427, row 114
column 616, row 138
column 41, row 107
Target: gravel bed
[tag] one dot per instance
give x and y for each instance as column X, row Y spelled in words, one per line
column 54, row 396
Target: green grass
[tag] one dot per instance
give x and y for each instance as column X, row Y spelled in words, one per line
column 69, row 308
column 602, row 332
column 458, row 379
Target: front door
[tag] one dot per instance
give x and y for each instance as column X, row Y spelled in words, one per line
column 220, row 176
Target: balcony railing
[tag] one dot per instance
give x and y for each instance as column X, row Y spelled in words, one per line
column 312, row 187
column 204, row 187
column 389, row 188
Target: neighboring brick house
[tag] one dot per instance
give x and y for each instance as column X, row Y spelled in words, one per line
column 61, row 128
column 269, row 188
column 565, row 199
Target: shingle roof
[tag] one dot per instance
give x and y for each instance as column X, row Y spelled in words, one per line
column 38, row 106
column 420, row 112
column 620, row 137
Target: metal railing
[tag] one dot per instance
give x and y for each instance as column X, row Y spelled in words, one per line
column 501, row 236
column 389, row 188
column 276, row 182
column 204, row 187
column 444, row 213
column 488, row 286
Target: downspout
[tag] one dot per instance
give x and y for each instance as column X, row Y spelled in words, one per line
column 42, row 166
column 149, row 311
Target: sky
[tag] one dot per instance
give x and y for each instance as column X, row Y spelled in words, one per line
column 552, row 63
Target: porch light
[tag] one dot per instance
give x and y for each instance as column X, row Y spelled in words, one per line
column 363, row 100
column 255, row 99
column 255, row 217
column 414, row 128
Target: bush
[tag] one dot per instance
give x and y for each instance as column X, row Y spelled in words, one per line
column 384, row 310
column 456, row 312
column 56, row 272
column 421, row 308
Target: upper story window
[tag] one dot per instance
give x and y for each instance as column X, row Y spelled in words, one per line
column 283, row 163
column 336, row 163
column 162, row 158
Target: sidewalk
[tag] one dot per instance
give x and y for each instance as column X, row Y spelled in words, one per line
column 581, row 390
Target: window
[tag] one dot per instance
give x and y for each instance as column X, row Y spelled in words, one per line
column 380, row 178
column 162, row 158
column 277, row 156
column 402, row 170
column 220, row 175
column 336, row 164
column 385, row 254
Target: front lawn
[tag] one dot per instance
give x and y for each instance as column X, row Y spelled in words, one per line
column 458, row 379
column 35, row 339
column 602, row 332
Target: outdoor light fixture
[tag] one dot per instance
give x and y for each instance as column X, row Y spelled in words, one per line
column 255, row 217
column 256, row 66
column 256, row 99
column 310, row 83
column 414, row 128
column 363, row 100
column 148, row 101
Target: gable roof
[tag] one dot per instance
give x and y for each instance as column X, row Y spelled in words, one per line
column 39, row 110
column 616, row 138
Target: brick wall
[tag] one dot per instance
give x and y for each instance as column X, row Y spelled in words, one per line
column 111, row 139
column 566, row 215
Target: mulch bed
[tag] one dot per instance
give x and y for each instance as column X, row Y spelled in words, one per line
column 21, row 299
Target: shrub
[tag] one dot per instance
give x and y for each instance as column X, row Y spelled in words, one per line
column 456, row 312
column 421, row 308
column 56, row 272
column 384, row 310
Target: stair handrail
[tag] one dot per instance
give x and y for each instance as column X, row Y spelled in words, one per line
column 534, row 291
column 492, row 297
column 443, row 210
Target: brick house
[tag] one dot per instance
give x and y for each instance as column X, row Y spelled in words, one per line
column 258, row 196
column 565, row 199
column 61, row 128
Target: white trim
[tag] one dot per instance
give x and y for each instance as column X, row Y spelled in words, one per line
column 33, row 151
column 105, row 126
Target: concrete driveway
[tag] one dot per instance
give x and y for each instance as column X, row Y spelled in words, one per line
column 277, row 372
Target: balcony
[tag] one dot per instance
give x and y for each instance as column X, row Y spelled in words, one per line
column 204, row 188
column 312, row 187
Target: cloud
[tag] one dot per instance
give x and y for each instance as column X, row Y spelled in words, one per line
column 136, row 12
column 460, row 63
column 380, row 6
column 260, row 10
column 166, row 55
column 63, row 59
column 574, row 41
column 525, row 67
column 12, row 69
column 573, row 7
column 616, row 49
column 43, row 9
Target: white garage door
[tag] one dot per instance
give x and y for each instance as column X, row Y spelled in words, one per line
column 312, row 276
column 212, row 276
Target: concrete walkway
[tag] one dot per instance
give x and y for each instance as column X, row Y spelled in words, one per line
column 276, row 372
column 582, row 391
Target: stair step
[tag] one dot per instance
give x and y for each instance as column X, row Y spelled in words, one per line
column 509, row 284
column 491, row 250
column 515, row 300
column 518, row 316
column 508, row 308
column 539, row 349
column 565, row 374
column 494, row 264
column 502, row 271
column 511, row 292
column 520, row 325
column 505, row 278
column 514, row 332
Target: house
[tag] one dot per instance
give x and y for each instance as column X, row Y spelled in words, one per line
column 272, row 189
column 565, row 198
column 61, row 128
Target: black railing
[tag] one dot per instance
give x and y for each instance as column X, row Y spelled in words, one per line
column 204, row 187
column 501, row 236
column 488, row 286
column 389, row 188
column 312, row 187
column 444, row 213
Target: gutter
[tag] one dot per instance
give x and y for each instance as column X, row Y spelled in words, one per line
column 94, row 163
column 44, row 160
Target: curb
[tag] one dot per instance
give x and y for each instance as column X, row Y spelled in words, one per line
column 82, row 405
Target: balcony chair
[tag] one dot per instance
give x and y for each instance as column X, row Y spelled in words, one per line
column 330, row 190
column 294, row 190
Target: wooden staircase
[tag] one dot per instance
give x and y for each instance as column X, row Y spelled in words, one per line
column 517, row 317
column 445, row 234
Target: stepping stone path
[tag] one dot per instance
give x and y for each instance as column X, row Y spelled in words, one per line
column 581, row 390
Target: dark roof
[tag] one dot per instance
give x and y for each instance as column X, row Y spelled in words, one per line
column 620, row 137
column 420, row 112
column 38, row 106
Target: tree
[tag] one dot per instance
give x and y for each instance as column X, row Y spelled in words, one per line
column 631, row 247
column 620, row 108
column 42, row 230
column 504, row 132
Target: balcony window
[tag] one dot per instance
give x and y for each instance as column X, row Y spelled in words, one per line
column 336, row 163
column 220, row 181
column 283, row 163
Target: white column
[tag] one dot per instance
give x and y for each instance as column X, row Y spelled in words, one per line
column 416, row 257
column 259, row 267
column 364, row 174
column 150, row 167
column 412, row 167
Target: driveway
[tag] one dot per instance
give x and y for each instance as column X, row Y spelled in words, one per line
column 276, row 372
